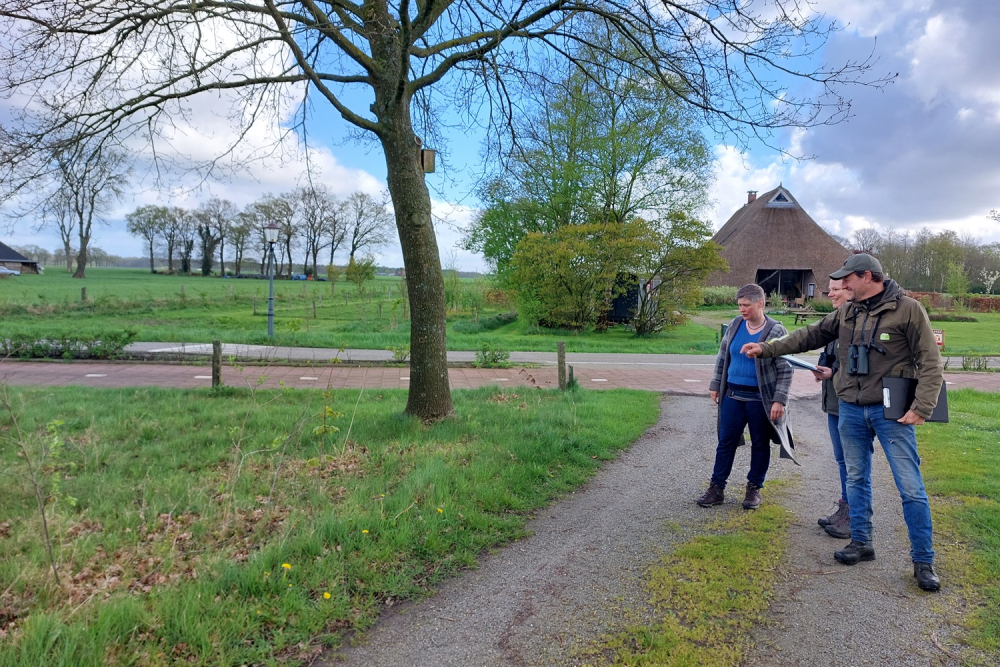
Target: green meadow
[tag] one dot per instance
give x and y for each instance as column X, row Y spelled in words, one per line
column 320, row 314
column 307, row 314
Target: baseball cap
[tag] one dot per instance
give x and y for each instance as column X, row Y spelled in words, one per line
column 861, row 262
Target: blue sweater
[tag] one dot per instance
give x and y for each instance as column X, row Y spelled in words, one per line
column 741, row 367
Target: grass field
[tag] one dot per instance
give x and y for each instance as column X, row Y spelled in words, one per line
column 232, row 528
column 238, row 527
column 199, row 310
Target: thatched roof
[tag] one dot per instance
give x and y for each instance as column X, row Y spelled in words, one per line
column 774, row 232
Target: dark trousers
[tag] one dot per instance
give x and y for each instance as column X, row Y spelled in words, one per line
column 735, row 416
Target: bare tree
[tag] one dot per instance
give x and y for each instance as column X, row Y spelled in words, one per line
column 218, row 215
column 241, row 234
column 868, row 240
column 187, row 225
column 279, row 211
column 149, row 222
column 321, row 221
column 368, row 222
column 173, row 233
column 90, row 179
column 56, row 211
column 127, row 67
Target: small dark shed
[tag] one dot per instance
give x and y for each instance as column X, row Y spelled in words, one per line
column 11, row 259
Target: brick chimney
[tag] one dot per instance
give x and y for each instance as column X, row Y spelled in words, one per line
column 751, row 196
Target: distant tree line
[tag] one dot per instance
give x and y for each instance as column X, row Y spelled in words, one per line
column 312, row 223
column 932, row 262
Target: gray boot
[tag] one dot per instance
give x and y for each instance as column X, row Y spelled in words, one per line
column 841, row 527
column 827, row 520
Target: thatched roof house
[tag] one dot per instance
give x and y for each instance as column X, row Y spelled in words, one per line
column 773, row 242
column 11, row 259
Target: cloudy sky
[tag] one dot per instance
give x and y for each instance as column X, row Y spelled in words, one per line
column 918, row 153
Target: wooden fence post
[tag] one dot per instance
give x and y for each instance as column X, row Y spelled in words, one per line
column 561, row 359
column 216, row 364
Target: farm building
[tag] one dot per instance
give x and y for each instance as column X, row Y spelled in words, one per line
column 773, row 242
column 11, row 259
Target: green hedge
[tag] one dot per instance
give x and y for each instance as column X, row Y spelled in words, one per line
column 103, row 345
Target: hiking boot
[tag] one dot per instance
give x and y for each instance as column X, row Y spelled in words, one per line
column 927, row 579
column 855, row 552
column 842, row 510
column 752, row 500
column 714, row 496
column 841, row 528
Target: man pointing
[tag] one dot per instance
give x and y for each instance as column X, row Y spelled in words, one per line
column 880, row 333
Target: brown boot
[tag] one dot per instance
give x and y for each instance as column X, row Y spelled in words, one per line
column 752, row 500
column 841, row 528
column 827, row 520
column 714, row 496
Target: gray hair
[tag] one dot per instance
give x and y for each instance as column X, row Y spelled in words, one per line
column 752, row 291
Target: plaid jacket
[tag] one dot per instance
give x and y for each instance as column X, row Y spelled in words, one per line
column 774, row 376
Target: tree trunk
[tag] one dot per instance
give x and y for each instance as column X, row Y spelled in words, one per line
column 81, row 262
column 152, row 267
column 430, row 392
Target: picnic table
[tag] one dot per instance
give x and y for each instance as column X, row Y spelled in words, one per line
column 803, row 315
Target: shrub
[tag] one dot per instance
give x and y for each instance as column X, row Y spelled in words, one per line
column 485, row 324
column 103, row 345
column 492, row 356
column 822, row 305
column 719, row 296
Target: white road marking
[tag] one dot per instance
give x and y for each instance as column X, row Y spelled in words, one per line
column 598, row 380
column 96, row 375
column 202, row 377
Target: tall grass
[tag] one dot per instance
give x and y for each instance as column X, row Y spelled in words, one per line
column 228, row 528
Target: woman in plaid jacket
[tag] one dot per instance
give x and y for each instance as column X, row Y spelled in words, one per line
column 749, row 392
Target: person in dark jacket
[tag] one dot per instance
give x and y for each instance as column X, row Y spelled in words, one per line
column 837, row 524
column 880, row 333
column 749, row 393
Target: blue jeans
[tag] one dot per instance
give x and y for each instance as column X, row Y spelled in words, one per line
column 859, row 424
column 736, row 416
column 833, row 424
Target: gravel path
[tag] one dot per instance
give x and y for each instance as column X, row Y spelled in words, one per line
column 541, row 599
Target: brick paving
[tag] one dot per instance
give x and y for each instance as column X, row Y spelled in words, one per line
column 672, row 378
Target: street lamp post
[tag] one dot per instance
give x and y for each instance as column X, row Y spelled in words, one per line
column 270, row 235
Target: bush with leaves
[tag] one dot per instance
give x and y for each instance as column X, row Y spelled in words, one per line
column 360, row 271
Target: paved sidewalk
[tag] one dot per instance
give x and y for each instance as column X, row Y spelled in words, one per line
column 602, row 372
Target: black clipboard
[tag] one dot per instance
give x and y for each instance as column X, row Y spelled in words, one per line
column 898, row 394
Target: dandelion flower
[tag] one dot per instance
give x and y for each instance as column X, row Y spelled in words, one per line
column 289, row 585
column 267, row 574
column 365, row 530
column 326, row 596
column 286, row 566
column 440, row 511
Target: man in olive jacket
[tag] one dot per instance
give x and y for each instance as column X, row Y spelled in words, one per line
column 880, row 333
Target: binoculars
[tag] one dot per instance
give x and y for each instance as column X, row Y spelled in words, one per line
column 857, row 360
